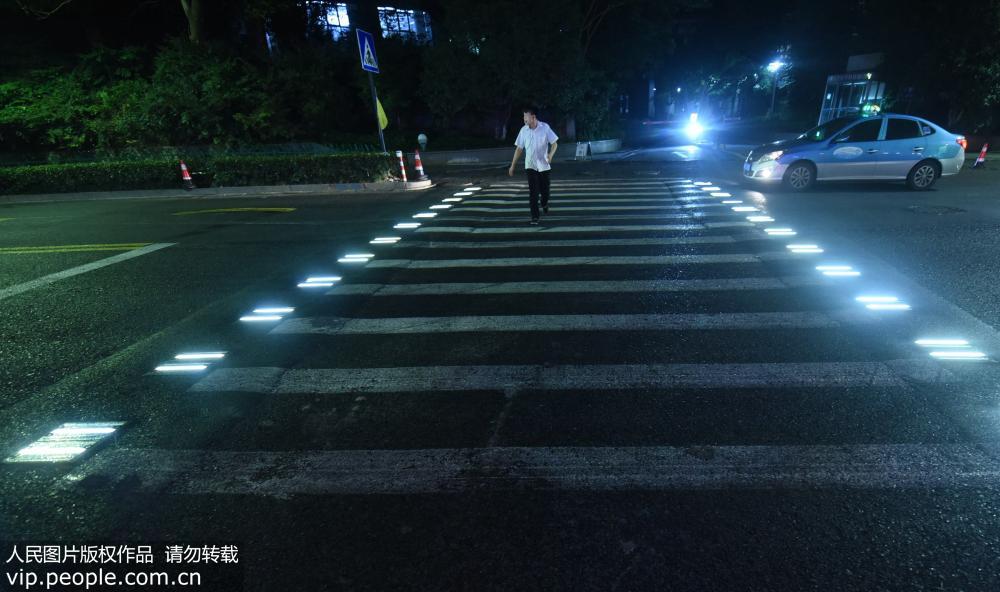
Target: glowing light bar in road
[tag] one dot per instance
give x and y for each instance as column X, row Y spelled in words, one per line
column 711, row 188
column 876, row 299
column 942, row 343
column 384, row 240
column 356, row 258
column 407, row 225
column 700, row 183
column 315, row 284
column 720, row 194
column 842, row 273
column 274, row 310
column 760, row 219
column 805, row 248
column 958, row 355
column 320, row 281
column 745, row 209
column 888, row 306
column 780, row 231
column 452, row 199
column 201, row 356
column 801, row 246
column 440, row 206
column 66, row 442
column 180, row 368
column 425, row 215
column 833, row 268
column 732, row 201
column 473, row 189
column 462, row 194
column 817, row 250
column 260, row 318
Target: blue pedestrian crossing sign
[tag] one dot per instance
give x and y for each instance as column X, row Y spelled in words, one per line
column 366, row 47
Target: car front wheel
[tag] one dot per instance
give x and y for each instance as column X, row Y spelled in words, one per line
column 923, row 176
column 800, row 176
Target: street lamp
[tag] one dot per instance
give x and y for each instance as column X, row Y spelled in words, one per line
column 774, row 67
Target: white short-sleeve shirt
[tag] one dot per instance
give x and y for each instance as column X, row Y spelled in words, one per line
column 535, row 143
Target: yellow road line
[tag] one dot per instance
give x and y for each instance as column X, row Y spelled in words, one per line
column 230, row 210
column 71, row 248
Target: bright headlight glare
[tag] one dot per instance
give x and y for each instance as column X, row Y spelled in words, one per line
column 771, row 156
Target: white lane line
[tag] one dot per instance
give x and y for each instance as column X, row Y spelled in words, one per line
column 556, row 217
column 74, row 271
column 726, row 321
column 594, row 242
column 519, row 210
column 574, row 261
column 286, row 474
column 612, row 377
column 578, row 287
column 580, row 229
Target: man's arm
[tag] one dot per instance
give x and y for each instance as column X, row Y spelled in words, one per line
column 552, row 151
column 513, row 163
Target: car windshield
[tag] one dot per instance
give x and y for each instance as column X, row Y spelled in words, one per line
column 826, row 130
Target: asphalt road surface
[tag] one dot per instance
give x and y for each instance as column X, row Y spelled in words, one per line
column 648, row 391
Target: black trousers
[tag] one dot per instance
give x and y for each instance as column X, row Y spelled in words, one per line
column 538, row 185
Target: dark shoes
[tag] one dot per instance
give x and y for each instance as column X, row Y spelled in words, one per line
column 545, row 208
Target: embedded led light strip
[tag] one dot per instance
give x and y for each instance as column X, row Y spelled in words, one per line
column 711, row 188
column 452, row 199
column 805, row 248
column 721, row 194
column 319, row 281
column 958, row 355
column 407, row 225
column 66, row 442
column 745, row 209
column 267, row 314
column 440, row 206
column 425, row 215
column 780, row 231
column 167, row 368
column 760, row 219
column 356, row 258
column 838, row 270
column 384, row 240
column 462, row 194
column 882, row 303
column 732, row 201
column 700, row 183
column 942, row 343
column 201, row 356
column 472, row 189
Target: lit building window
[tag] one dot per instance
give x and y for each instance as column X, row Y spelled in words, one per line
column 330, row 16
column 413, row 25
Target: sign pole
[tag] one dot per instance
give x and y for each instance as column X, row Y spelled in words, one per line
column 378, row 124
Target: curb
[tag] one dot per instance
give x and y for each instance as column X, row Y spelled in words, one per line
column 222, row 192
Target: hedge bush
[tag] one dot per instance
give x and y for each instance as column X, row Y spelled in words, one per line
column 228, row 171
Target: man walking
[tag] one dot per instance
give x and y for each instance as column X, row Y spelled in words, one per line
column 538, row 143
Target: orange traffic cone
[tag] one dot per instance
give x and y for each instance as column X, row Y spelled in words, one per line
column 186, row 177
column 982, row 156
column 419, row 166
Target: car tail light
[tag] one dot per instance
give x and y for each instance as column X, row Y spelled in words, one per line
column 963, row 142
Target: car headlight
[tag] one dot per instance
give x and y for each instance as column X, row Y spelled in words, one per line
column 770, row 156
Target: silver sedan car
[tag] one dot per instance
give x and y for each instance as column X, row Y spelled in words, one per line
column 886, row 147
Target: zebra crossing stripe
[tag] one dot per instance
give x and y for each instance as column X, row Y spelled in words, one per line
column 580, row 229
column 556, row 202
column 727, row 321
column 557, row 218
column 576, row 261
column 594, row 242
column 665, row 378
column 521, row 210
column 578, row 287
column 284, row 474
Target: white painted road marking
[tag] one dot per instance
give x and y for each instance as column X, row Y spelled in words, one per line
column 666, row 378
column 632, row 468
column 68, row 273
column 580, row 229
column 724, row 321
column 574, row 261
column 554, row 287
column 519, row 210
column 595, row 242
